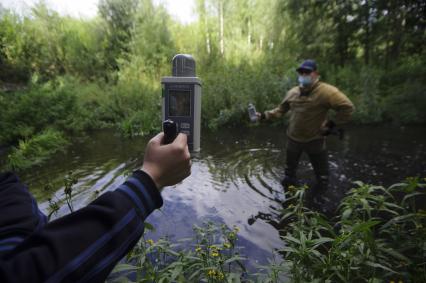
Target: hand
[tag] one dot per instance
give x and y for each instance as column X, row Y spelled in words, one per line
column 327, row 127
column 168, row 164
column 260, row 116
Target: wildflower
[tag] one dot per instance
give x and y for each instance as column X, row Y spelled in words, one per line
column 211, row 273
column 150, row 242
column 220, row 276
column 227, row 245
column 198, row 249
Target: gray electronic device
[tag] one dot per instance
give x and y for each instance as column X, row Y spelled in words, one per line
column 181, row 97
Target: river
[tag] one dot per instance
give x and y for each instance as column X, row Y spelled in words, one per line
column 235, row 177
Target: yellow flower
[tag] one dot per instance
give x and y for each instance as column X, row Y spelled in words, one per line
column 215, row 254
column 220, row 276
column 227, row 245
column 198, row 249
column 211, row 273
column 150, row 242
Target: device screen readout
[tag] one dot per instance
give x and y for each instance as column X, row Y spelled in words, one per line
column 179, row 103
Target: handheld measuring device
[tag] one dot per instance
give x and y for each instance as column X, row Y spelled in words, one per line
column 181, row 99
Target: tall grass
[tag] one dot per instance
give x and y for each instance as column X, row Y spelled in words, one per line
column 35, row 150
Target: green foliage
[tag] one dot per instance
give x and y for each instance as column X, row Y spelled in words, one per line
column 52, row 104
column 213, row 257
column 404, row 91
column 54, row 204
column 78, row 74
column 361, row 85
column 228, row 89
column 35, row 150
column 377, row 236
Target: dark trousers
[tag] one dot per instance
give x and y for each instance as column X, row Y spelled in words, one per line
column 317, row 153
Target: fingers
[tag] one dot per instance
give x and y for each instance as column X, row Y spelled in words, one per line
column 157, row 139
column 181, row 139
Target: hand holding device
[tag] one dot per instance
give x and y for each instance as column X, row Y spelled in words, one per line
column 170, row 131
column 167, row 164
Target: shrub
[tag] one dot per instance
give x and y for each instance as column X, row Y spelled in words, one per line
column 377, row 236
column 35, row 150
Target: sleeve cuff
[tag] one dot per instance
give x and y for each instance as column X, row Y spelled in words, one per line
column 154, row 192
column 142, row 191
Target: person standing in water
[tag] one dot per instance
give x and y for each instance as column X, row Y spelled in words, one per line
column 309, row 104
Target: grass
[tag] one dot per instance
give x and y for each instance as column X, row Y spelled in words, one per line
column 35, row 150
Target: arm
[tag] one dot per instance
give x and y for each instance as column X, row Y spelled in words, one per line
column 343, row 107
column 85, row 245
column 277, row 112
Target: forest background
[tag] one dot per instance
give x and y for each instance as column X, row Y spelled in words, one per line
column 61, row 76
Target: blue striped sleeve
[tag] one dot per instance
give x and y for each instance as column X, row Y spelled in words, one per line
column 142, row 191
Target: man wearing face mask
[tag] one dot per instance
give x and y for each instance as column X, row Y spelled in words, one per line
column 309, row 104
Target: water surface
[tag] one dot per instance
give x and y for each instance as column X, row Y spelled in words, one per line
column 235, row 178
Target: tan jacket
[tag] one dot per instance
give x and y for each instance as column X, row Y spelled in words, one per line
column 308, row 113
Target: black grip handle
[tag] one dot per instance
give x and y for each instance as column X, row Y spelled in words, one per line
column 170, row 131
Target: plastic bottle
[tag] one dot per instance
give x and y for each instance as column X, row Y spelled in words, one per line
column 252, row 113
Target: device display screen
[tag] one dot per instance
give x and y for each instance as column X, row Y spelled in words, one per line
column 179, row 103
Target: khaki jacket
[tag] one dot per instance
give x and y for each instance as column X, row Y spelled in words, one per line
column 308, row 110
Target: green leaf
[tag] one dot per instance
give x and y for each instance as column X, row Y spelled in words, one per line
column 234, row 258
column 176, row 272
column 234, row 278
column 395, row 254
column 346, row 213
column 292, row 239
column 149, row 226
column 124, row 267
column 378, row 265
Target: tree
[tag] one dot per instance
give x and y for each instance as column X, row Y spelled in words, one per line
column 119, row 17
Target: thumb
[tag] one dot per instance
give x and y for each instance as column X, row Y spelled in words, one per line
column 181, row 139
column 157, row 139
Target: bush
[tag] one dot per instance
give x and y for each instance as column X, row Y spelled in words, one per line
column 35, row 150
column 214, row 257
column 228, row 89
column 377, row 236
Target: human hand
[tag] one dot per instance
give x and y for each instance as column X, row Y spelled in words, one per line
column 260, row 116
column 167, row 164
column 327, row 128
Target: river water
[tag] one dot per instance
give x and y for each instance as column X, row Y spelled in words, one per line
column 235, row 178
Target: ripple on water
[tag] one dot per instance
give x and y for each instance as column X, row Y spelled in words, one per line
column 235, row 179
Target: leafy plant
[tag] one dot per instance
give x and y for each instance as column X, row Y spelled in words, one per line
column 377, row 235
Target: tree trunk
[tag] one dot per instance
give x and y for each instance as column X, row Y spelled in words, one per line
column 367, row 34
column 221, row 27
column 249, row 34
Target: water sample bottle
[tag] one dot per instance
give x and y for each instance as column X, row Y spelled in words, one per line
column 252, row 113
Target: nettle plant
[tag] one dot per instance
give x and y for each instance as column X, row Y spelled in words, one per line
column 377, row 235
column 212, row 256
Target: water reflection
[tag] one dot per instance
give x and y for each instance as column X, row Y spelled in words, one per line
column 235, row 178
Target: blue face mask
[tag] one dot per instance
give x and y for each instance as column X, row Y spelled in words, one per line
column 305, row 81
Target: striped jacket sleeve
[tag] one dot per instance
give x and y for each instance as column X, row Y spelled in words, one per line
column 83, row 246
